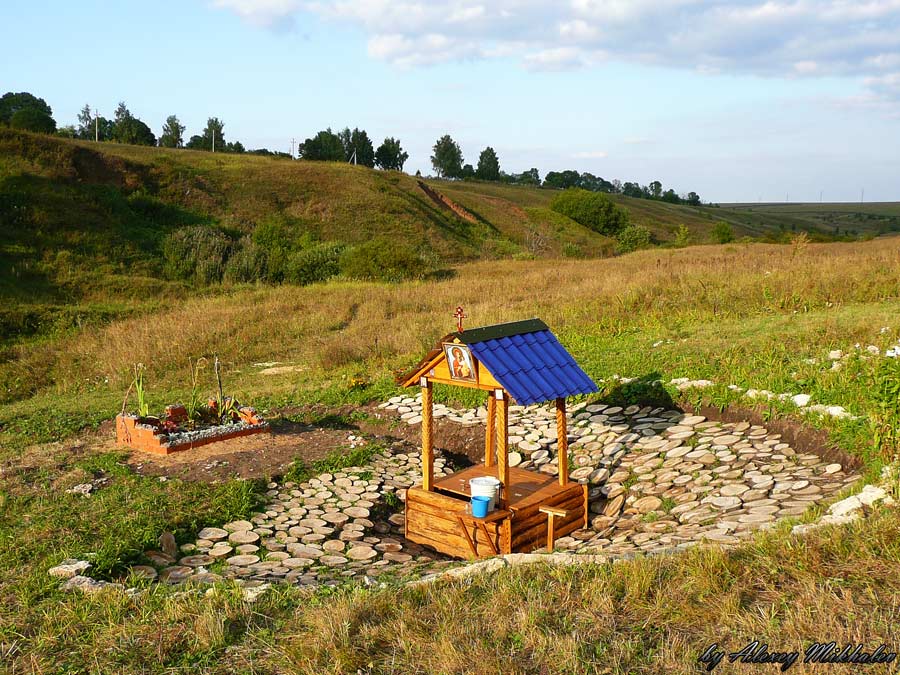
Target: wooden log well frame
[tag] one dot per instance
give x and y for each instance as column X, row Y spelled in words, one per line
column 534, row 508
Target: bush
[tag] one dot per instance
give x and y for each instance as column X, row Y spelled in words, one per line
column 633, row 237
column 682, row 236
column 279, row 237
column 594, row 210
column 247, row 263
column 32, row 119
column 196, row 254
column 315, row 264
column 381, row 260
column 722, row 232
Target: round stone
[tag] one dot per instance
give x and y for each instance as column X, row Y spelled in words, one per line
column 725, row 502
column 243, row 537
column 614, row 506
column 389, row 546
column 515, row 458
column 333, row 560
column 333, row 545
column 144, row 572
column 243, row 560
column 647, row 504
column 356, row 512
column 294, row 563
column 237, row 526
column 733, row 489
column 175, row 574
column 397, row 557
column 581, row 473
column 832, row 468
column 245, row 549
column 361, row 553
column 212, row 534
column 336, row 518
column 197, row 560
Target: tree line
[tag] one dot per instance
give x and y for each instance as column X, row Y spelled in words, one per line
column 26, row 111
column 447, row 162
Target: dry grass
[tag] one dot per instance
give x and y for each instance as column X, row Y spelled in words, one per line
column 339, row 323
column 649, row 615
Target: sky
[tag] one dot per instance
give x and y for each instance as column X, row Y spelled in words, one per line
column 738, row 101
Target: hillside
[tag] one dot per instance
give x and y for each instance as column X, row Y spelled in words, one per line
column 84, row 225
column 835, row 218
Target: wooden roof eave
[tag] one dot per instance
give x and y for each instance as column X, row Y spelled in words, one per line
column 431, row 358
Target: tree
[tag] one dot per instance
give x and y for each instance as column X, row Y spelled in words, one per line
column 212, row 138
column 68, row 131
column 358, row 142
column 530, row 177
column 488, row 165
column 11, row 103
column 390, row 155
column 594, row 210
column 671, row 196
column 722, row 232
column 468, row 172
column 447, row 159
column 562, row 180
column 32, row 119
column 129, row 129
column 172, row 135
column 693, row 198
column 325, row 146
column 655, row 189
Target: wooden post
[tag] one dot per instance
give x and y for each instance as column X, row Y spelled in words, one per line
column 562, row 442
column 427, row 432
column 503, row 443
column 490, row 433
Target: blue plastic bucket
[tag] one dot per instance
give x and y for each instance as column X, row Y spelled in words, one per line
column 480, row 506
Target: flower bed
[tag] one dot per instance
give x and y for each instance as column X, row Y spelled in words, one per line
column 163, row 437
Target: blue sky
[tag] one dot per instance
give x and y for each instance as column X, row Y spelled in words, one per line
column 739, row 101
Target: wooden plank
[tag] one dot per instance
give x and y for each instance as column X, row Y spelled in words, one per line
column 503, row 445
column 562, row 442
column 490, row 432
column 427, row 433
column 527, row 488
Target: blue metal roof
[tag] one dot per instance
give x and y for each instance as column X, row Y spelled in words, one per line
column 531, row 365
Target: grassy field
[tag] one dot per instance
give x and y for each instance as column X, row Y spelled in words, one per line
column 755, row 315
column 874, row 217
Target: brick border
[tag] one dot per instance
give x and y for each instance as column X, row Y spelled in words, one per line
column 147, row 438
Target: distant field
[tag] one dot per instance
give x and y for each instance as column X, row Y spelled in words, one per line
column 838, row 218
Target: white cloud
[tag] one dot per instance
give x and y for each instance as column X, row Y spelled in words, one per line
column 778, row 38
column 590, row 154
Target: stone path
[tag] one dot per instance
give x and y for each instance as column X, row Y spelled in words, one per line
column 658, row 480
column 332, row 527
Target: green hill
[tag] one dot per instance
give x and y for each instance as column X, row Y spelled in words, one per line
column 84, row 225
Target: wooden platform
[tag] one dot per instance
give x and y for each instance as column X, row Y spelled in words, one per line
column 441, row 519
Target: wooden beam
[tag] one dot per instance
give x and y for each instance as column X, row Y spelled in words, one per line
column 427, row 433
column 503, row 444
column 490, row 432
column 562, row 442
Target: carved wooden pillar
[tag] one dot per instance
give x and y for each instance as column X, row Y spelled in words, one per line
column 427, row 434
column 562, row 442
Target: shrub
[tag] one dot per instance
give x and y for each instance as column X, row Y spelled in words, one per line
column 247, row 263
column 279, row 237
column 381, row 260
column 196, row 254
column 632, row 238
column 32, row 119
column 315, row 264
column 722, row 232
column 594, row 210
column 682, row 236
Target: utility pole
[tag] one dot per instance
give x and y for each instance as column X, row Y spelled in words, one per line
column 820, row 195
column 96, row 125
column 862, row 195
column 213, row 138
column 353, row 157
column 293, row 140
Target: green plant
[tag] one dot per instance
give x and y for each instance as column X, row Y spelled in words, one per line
column 594, row 210
column 381, row 260
column 194, row 402
column 196, row 253
column 682, row 236
column 885, row 420
column 632, row 238
column 138, row 384
column 312, row 265
column 722, row 232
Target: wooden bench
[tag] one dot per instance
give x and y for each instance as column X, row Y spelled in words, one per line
column 552, row 514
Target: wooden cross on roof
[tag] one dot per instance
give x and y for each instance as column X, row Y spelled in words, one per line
column 459, row 315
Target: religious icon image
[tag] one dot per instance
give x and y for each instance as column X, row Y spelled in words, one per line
column 459, row 361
